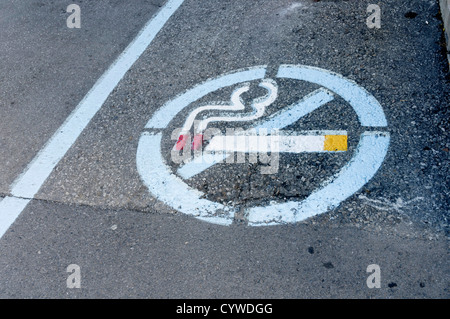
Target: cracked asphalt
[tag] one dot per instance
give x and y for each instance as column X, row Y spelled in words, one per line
column 95, row 210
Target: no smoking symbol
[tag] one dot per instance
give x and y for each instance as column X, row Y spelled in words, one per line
column 367, row 159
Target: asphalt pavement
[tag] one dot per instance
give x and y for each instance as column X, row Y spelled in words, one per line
column 294, row 224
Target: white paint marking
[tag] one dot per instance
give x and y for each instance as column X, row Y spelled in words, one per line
column 173, row 191
column 278, row 120
column 10, row 209
column 386, row 205
column 235, row 105
column 167, row 112
column 281, row 142
column 296, row 111
column 258, row 106
column 34, row 176
column 368, row 158
column 369, row 111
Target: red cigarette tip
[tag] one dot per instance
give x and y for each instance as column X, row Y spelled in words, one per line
column 181, row 143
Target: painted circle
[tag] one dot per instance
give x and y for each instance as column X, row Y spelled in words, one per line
column 174, row 192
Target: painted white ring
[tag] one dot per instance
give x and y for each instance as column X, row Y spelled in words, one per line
column 174, row 192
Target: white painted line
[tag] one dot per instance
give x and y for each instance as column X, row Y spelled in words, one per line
column 296, row 111
column 369, row 111
column 34, row 176
column 10, row 209
column 278, row 120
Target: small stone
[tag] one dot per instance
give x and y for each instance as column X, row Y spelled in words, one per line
column 392, row 285
column 328, row 265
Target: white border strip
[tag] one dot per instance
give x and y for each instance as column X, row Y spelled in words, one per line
column 30, row 181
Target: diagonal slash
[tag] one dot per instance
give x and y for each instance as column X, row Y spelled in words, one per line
column 278, row 120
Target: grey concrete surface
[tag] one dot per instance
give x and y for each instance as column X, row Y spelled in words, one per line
column 47, row 68
column 95, row 211
column 126, row 254
column 400, row 64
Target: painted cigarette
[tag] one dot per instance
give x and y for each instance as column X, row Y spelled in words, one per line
column 278, row 143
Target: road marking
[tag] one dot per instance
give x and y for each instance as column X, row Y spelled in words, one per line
column 10, row 209
column 258, row 108
column 367, row 108
column 30, row 181
column 173, row 191
column 335, row 143
column 290, row 115
column 165, row 114
column 367, row 158
column 281, row 119
column 280, row 143
column 237, row 104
